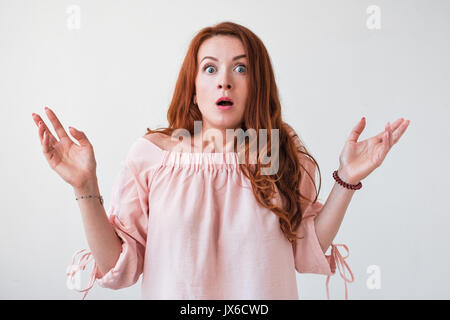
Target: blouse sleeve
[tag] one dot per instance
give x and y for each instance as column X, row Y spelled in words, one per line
column 128, row 214
column 308, row 254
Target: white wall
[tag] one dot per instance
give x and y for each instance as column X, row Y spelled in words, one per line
column 114, row 76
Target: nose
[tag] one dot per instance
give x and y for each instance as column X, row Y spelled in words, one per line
column 224, row 81
column 228, row 86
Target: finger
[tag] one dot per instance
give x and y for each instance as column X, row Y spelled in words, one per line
column 391, row 137
column 45, row 145
column 389, row 130
column 399, row 132
column 36, row 118
column 79, row 136
column 393, row 126
column 51, row 139
column 397, row 123
column 357, row 130
column 385, row 145
column 41, row 132
column 56, row 123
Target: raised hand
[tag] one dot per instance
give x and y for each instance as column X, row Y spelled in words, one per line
column 359, row 158
column 74, row 163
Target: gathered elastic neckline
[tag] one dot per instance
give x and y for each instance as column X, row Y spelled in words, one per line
column 190, row 153
column 209, row 160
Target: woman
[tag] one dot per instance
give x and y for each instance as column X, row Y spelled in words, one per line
column 213, row 225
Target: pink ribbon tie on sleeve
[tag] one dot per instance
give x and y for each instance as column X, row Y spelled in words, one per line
column 72, row 269
column 336, row 259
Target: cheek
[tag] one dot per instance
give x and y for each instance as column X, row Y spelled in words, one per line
column 204, row 89
column 243, row 87
column 243, row 93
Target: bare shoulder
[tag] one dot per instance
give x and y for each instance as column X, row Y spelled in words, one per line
column 299, row 143
column 165, row 142
column 290, row 130
column 160, row 139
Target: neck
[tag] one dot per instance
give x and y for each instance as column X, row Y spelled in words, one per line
column 212, row 141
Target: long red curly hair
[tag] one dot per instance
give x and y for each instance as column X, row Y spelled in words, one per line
column 262, row 111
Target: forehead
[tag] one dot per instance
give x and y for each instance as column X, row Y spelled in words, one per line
column 221, row 47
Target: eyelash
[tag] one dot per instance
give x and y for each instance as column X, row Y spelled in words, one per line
column 210, row 65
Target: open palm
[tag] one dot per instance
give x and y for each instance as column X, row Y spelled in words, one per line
column 74, row 163
column 359, row 158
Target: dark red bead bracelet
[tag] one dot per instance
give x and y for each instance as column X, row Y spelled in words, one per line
column 345, row 184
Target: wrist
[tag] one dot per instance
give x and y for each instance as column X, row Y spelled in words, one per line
column 89, row 186
column 345, row 176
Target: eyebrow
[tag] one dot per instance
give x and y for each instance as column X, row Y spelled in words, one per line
column 213, row 58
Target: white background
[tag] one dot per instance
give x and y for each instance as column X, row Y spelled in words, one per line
column 114, row 77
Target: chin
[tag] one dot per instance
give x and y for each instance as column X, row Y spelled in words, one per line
column 222, row 123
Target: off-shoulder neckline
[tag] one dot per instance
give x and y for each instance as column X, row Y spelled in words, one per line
column 187, row 153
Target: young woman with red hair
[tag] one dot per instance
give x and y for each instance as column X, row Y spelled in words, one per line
column 212, row 225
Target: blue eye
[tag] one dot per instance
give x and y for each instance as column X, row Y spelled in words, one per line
column 241, row 65
column 206, row 67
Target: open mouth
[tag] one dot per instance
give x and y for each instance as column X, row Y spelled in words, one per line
column 225, row 103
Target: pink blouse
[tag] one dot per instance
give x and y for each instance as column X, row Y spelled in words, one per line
column 189, row 223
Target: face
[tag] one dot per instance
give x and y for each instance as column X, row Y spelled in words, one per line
column 222, row 73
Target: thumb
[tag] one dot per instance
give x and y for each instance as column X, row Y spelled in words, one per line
column 357, row 130
column 80, row 136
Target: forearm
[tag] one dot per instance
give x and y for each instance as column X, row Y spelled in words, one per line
column 329, row 219
column 103, row 242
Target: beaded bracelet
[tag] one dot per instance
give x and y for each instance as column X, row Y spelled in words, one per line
column 345, row 184
column 90, row 196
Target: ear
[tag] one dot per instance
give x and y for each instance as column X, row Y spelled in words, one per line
column 195, row 100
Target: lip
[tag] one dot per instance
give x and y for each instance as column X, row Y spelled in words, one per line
column 223, row 107
column 224, row 99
